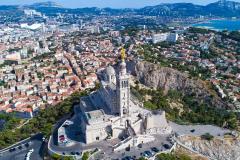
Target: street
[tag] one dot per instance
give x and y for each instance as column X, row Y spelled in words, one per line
column 19, row 153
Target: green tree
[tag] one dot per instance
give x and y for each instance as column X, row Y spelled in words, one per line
column 149, row 105
column 172, row 156
column 56, row 157
column 166, row 156
column 85, row 156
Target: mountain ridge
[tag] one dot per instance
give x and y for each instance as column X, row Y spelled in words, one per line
column 55, row 4
column 220, row 8
column 45, row 4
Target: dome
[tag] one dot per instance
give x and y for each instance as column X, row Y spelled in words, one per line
column 110, row 70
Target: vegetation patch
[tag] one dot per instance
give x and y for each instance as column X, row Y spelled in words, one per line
column 152, row 53
column 85, row 156
column 10, row 121
column 172, row 156
column 191, row 111
column 58, row 157
column 207, row 136
column 43, row 122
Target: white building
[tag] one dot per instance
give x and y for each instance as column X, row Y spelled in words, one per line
column 111, row 112
column 31, row 12
column 161, row 37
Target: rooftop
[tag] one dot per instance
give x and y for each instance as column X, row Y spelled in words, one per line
column 97, row 114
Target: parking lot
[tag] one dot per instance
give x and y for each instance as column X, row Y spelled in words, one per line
column 19, row 151
column 162, row 143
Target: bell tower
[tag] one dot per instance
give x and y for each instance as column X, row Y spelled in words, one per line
column 123, row 87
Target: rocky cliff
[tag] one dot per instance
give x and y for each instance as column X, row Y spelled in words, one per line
column 219, row 149
column 152, row 75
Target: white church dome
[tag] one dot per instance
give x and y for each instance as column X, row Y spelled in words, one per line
column 110, row 70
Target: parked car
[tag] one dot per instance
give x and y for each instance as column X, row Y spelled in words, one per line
column 167, row 146
column 155, row 149
column 27, row 145
column 140, row 145
column 149, row 154
column 12, row 149
column 144, row 154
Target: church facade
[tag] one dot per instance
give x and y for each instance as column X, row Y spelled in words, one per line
column 111, row 112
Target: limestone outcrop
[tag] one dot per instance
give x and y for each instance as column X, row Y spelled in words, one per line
column 219, row 149
column 155, row 76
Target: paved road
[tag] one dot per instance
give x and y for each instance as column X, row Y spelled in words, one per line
column 35, row 143
column 198, row 130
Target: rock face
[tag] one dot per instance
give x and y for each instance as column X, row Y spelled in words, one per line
column 152, row 75
column 219, row 149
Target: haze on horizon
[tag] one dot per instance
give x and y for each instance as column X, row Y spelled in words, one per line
column 107, row 3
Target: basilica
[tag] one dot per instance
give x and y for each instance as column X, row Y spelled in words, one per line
column 112, row 112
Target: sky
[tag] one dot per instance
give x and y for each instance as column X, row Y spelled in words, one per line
column 107, row 3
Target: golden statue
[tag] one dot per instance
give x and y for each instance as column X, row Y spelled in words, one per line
column 123, row 54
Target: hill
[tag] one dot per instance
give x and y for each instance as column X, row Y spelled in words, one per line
column 220, row 8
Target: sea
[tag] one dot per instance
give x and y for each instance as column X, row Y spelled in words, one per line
column 220, row 25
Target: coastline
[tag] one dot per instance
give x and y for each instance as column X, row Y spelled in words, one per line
column 219, row 24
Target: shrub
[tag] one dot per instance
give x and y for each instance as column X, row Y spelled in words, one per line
column 207, row 136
